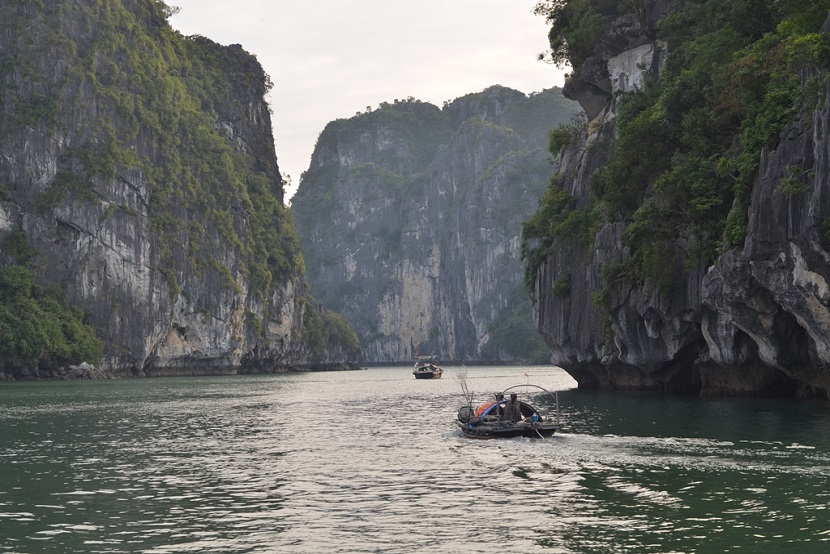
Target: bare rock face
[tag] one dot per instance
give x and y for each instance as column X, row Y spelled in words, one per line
column 591, row 86
column 756, row 323
column 622, row 60
column 113, row 194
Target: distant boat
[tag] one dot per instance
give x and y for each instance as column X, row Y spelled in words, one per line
column 426, row 368
column 488, row 420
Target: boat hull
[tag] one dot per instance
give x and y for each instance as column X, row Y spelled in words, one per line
column 426, row 375
column 507, row 431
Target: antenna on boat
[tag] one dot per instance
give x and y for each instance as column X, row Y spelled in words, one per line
column 556, row 393
column 461, row 377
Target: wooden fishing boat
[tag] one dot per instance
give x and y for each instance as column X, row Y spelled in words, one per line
column 426, row 368
column 489, row 420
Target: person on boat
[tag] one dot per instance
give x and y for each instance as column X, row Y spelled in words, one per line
column 512, row 410
column 498, row 409
column 483, row 408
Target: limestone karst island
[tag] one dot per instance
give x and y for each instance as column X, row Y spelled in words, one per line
column 590, row 318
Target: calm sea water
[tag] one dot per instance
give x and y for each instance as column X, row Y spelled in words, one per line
column 371, row 461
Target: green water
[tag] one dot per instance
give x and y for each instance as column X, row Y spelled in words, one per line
column 371, row 461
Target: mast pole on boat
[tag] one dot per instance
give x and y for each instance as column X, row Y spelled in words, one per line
column 556, row 393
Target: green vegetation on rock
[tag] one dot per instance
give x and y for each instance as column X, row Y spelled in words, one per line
column 36, row 324
column 152, row 80
column 514, row 334
column 179, row 123
column 324, row 330
column 688, row 146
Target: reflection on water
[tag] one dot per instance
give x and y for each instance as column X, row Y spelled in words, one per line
column 371, row 461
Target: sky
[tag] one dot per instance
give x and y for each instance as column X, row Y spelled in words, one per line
column 329, row 59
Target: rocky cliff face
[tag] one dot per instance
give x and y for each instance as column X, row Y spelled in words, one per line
column 754, row 323
column 410, row 217
column 768, row 302
column 140, row 166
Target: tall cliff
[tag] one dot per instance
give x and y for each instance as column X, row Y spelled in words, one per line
column 684, row 244
column 138, row 167
column 410, row 218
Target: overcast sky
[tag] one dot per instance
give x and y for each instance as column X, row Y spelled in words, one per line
column 329, row 59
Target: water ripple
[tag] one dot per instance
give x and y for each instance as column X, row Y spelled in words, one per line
column 371, row 461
